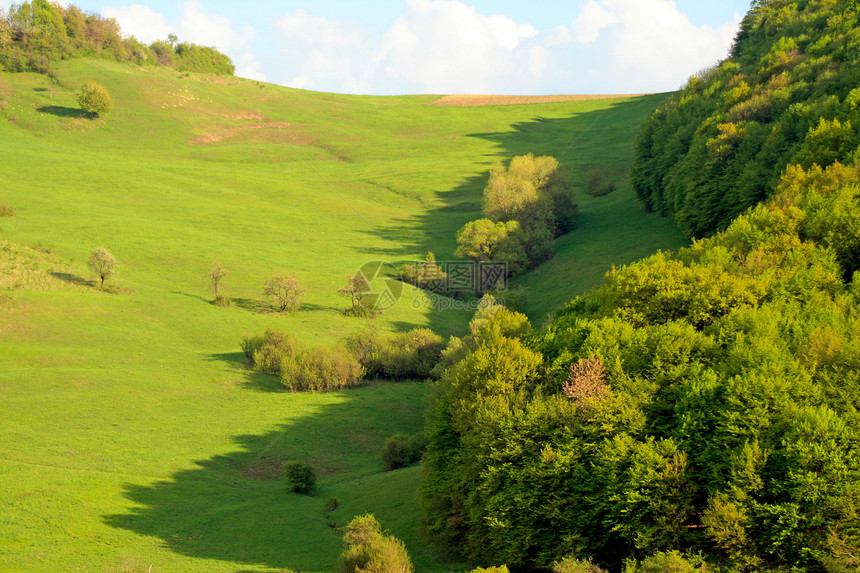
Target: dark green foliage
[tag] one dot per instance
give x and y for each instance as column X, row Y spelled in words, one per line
column 300, row 477
column 698, row 401
column 597, row 185
column 787, row 95
column 367, row 549
column 321, row 369
column 401, row 450
column 34, row 34
column 399, row 355
column 95, row 99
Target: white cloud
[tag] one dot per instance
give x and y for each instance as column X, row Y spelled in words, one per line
column 196, row 26
column 591, row 20
column 652, row 45
column 441, row 46
column 140, row 21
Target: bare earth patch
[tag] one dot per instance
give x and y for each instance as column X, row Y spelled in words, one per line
column 466, row 100
column 267, row 132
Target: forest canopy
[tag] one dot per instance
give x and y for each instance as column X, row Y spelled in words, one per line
column 35, row 34
column 788, row 94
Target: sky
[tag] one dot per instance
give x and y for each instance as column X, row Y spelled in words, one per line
column 511, row 47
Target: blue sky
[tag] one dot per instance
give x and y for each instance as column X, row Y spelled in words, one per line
column 449, row 46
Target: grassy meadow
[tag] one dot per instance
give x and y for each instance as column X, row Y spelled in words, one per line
column 133, row 436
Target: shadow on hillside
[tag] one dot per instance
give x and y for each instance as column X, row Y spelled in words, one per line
column 234, row 507
column 62, row 111
column 253, row 380
column 73, row 279
column 599, row 138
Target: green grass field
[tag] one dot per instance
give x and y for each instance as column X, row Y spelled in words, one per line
column 133, row 434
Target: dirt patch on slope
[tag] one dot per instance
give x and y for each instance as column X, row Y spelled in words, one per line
column 466, row 100
column 273, row 132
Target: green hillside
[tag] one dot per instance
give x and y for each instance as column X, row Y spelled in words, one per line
column 134, row 434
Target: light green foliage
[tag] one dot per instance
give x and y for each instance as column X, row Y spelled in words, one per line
column 494, row 569
column 401, row 355
column 102, row 264
column 367, row 549
column 95, row 99
column 38, row 33
column 525, row 206
column 668, row 561
column 268, row 351
column 574, row 565
column 322, row 369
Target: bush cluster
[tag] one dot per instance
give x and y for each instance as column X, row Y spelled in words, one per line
column 399, row 355
column 525, row 206
column 300, row 477
column 300, row 368
column 367, row 549
column 402, row 450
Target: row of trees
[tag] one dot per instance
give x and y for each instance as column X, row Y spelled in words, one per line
column 525, row 206
column 699, row 401
column 35, row 34
column 787, row 95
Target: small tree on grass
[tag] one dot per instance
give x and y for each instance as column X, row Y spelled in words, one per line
column 216, row 276
column 286, row 290
column 300, row 478
column 368, row 549
column 95, row 99
column 357, row 286
column 102, row 264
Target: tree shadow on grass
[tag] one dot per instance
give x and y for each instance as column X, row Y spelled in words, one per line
column 253, row 380
column 62, row 111
column 73, row 279
column 234, row 507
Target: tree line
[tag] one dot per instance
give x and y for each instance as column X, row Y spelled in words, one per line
column 787, row 95
column 35, row 34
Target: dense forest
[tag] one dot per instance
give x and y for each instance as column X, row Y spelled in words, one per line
column 699, row 407
column 35, row 34
column 789, row 94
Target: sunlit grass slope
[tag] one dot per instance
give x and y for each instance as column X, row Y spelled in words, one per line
column 132, row 434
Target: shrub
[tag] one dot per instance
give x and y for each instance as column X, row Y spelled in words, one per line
column 499, row 569
column 597, row 185
column 401, row 450
column 367, row 549
column 668, row 561
column 95, row 99
column 572, row 565
column 332, row 504
column 276, row 348
column 400, row 355
column 251, row 344
column 321, row 368
column 6, row 210
column 300, row 477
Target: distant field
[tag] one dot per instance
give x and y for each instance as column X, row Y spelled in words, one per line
column 466, row 100
column 133, row 435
